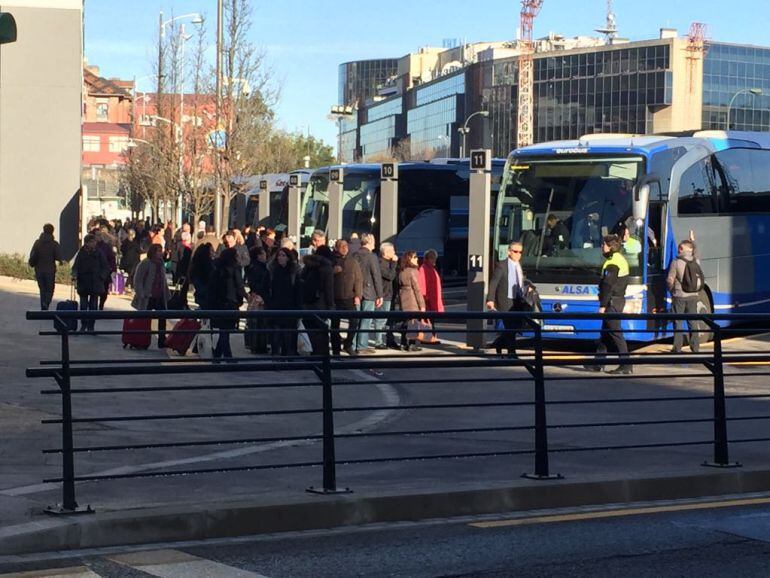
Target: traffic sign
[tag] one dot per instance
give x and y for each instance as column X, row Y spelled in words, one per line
column 335, row 175
column 389, row 171
column 262, row 185
column 293, row 180
column 480, row 160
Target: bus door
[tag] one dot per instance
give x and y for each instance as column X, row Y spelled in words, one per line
column 656, row 273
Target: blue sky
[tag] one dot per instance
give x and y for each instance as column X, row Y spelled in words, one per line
column 306, row 40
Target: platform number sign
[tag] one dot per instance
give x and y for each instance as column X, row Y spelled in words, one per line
column 262, row 185
column 389, row 171
column 293, row 180
column 334, row 175
column 479, row 160
column 475, row 262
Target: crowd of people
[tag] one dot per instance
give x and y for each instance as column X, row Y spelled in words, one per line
column 259, row 269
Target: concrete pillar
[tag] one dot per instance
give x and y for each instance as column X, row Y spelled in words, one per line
column 388, row 202
column 295, row 206
column 479, row 206
column 334, row 225
column 264, row 203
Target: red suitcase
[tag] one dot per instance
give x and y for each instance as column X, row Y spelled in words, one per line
column 136, row 333
column 180, row 338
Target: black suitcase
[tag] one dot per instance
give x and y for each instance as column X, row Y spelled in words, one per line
column 69, row 305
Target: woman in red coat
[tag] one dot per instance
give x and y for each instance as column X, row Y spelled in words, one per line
column 430, row 285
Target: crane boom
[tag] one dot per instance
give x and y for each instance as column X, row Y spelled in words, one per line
column 525, row 125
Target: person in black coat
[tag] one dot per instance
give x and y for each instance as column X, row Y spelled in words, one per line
column 226, row 292
column 284, row 296
column 43, row 257
column 130, row 255
column 90, row 272
column 257, row 275
column 317, row 290
column 505, row 294
column 201, row 269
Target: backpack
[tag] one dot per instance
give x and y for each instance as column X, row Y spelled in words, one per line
column 693, row 279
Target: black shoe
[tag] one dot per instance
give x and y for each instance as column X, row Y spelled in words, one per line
column 350, row 351
column 594, row 368
column 381, row 346
column 622, row 370
column 413, row 347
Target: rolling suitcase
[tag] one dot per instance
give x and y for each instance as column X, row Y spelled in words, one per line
column 70, row 305
column 118, row 283
column 180, row 338
column 137, row 333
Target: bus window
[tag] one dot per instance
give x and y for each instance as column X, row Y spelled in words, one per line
column 697, row 193
column 359, row 202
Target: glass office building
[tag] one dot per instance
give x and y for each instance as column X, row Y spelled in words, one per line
column 359, row 80
column 731, row 70
column 634, row 87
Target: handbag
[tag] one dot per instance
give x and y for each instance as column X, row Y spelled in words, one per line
column 304, row 347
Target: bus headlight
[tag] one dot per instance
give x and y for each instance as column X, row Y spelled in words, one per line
column 633, row 305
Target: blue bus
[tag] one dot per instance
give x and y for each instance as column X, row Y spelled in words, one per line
column 560, row 198
column 432, row 206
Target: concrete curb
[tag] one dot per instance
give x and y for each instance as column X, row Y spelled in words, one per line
column 222, row 519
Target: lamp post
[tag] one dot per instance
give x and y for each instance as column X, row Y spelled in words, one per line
column 464, row 130
column 339, row 112
column 218, row 105
column 754, row 91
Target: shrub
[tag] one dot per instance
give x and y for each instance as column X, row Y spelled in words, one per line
column 16, row 266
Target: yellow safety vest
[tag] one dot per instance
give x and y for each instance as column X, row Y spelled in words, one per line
column 620, row 262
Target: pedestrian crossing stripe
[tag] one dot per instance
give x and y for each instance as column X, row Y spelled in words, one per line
column 161, row 563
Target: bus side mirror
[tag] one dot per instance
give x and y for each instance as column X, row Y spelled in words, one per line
column 641, row 199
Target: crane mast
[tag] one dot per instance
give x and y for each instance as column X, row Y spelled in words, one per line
column 525, row 125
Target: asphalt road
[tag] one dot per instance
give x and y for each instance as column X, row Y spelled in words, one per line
column 681, row 539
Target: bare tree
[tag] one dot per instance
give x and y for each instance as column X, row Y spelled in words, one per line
column 249, row 94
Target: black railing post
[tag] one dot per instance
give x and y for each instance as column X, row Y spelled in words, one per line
column 329, row 451
column 721, row 451
column 69, row 505
column 542, row 471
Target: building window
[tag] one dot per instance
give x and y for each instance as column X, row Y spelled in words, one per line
column 91, row 144
column 118, row 144
column 102, row 111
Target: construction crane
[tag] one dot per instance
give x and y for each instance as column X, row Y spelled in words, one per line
column 525, row 127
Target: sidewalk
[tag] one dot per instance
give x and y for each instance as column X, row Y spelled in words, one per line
column 271, row 500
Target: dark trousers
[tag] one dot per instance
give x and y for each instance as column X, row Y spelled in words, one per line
column 222, row 348
column 317, row 333
column 88, row 302
column 337, row 343
column 507, row 338
column 157, row 305
column 284, row 337
column 686, row 305
column 612, row 338
column 46, row 282
column 103, row 296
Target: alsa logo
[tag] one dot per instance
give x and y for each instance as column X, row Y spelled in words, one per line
column 578, row 290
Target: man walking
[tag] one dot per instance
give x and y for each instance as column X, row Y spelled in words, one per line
column 505, row 294
column 348, row 288
column 43, row 257
column 612, row 298
column 389, row 273
column 685, row 281
column 371, row 297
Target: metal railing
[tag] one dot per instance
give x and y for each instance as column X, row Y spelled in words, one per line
column 67, row 370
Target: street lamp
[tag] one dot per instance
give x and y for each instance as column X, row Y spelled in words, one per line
column 339, row 112
column 464, row 130
column 754, row 91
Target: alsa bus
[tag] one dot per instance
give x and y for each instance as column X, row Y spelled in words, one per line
column 661, row 188
column 432, row 206
column 244, row 209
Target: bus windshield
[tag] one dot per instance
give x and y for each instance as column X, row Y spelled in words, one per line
column 359, row 200
column 560, row 209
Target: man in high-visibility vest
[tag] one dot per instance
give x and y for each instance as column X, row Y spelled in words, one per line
column 612, row 297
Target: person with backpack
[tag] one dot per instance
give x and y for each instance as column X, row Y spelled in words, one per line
column 43, row 258
column 685, row 281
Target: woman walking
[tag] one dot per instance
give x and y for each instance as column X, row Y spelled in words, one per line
column 151, row 288
column 130, row 256
column 411, row 298
column 284, row 296
column 430, row 285
column 226, row 292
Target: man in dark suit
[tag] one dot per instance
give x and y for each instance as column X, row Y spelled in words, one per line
column 505, row 294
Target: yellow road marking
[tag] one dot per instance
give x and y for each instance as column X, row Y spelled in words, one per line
column 598, row 515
